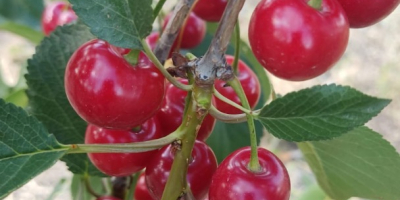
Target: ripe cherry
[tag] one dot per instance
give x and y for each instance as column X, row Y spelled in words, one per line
column 171, row 112
column 295, row 41
column 122, row 164
column 201, row 168
column 107, row 198
column 141, row 191
column 366, row 13
column 193, row 32
column 105, row 90
column 234, row 180
column 56, row 14
column 210, row 10
column 250, row 84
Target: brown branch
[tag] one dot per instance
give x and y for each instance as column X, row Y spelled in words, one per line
column 213, row 64
column 179, row 14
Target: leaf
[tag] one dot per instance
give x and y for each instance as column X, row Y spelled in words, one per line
column 358, row 164
column 22, row 17
column 313, row 192
column 78, row 188
column 26, row 148
column 121, row 23
column 18, row 98
column 46, row 92
column 318, row 113
column 227, row 138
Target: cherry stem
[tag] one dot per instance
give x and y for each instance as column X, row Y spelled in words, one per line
column 160, row 67
column 230, row 102
column 254, row 164
column 131, row 189
column 89, row 187
column 132, row 57
column 158, row 8
column 237, row 48
column 227, row 118
column 199, row 101
column 123, row 147
column 317, row 4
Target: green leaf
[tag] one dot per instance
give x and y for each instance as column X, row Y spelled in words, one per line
column 227, row 138
column 26, row 148
column 122, row 23
column 22, row 17
column 318, row 113
column 78, row 187
column 46, row 92
column 358, row 164
column 313, row 192
column 18, row 98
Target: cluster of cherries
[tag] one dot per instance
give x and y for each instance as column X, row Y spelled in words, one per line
column 125, row 103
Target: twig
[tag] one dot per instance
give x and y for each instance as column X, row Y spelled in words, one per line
column 179, row 14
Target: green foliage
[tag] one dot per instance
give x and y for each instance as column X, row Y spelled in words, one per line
column 121, row 23
column 78, row 187
column 26, row 148
column 18, row 98
column 358, row 164
column 318, row 113
column 22, row 17
column 47, row 96
column 226, row 138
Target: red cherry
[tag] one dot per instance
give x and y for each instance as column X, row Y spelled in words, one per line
column 296, row 42
column 366, row 13
column 233, row 179
column 56, row 14
column 210, row 10
column 141, row 191
column 107, row 198
column 200, row 170
column 250, row 84
column 122, row 164
column 171, row 112
column 105, row 90
column 193, row 33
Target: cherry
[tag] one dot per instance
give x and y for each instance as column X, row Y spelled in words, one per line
column 171, row 112
column 122, row 164
column 56, row 14
column 233, row 179
column 141, row 191
column 200, row 170
column 107, row 198
column 295, row 41
column 210, row 10
column 250, row 84
column 366, row 13
column 193, row 32
column 105, row 90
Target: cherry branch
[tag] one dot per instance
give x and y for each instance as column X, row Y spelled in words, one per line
column 178, row 17
column 213, row 64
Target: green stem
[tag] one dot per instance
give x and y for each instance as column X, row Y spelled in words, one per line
column 123, row 147
column 198, row 104
column 89, row 187
column 160, row 67
column 317, row 4
column 230, row 102
column 227, row 118
column 237, row 48
column 132, row 57
column 254, row 164
column 158, row 8
column 132, row 186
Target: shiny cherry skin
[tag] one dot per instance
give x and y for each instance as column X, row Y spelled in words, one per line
column 366, row 13
column 107, row 198
column 210, row 10
column 171, row 113
column 296, row 42
column 233, row 179
column 250, row 84
column 141, row 191
column 105, row 90
column 56, row 14
column 122, row 164
column 201, row 168
column 193, row 32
